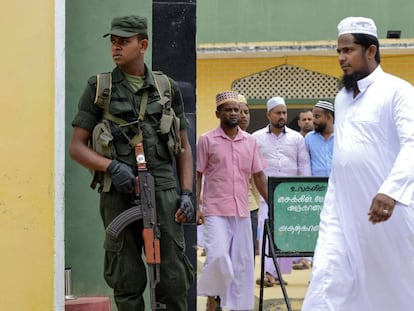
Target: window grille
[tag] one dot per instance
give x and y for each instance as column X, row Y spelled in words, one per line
column 287, row 81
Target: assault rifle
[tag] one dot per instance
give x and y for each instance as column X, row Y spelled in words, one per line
column 143, row 208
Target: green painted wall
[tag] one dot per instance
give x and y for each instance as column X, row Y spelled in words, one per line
column 87, row 53
column 221, row 21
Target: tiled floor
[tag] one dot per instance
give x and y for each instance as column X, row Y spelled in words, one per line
column 273, row 300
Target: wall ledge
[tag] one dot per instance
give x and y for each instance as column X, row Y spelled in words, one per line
column 288, row 48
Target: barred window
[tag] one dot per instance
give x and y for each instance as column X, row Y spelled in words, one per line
column 287, row 81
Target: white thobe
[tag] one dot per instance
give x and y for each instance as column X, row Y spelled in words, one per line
column 359, row 265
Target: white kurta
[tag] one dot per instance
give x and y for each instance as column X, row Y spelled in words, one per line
column 286, row 155
column 357, row 265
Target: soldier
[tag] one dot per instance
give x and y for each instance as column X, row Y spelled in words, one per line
column 136, row 95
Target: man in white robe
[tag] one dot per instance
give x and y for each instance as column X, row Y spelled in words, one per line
column 364, row 258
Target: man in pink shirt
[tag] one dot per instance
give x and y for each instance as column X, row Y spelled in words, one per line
column 226, row 157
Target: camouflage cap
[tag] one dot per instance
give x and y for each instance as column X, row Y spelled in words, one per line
column 128, row 26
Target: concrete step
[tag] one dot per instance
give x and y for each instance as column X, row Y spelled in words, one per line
column 88, row 304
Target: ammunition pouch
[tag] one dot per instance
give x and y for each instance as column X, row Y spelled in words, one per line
column 170, row 131
column 170, row 123
column 103, row 143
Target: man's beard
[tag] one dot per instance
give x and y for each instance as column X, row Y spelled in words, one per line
column 279, row 124
column 231, row 123
column 350, row 81
column 320, row 128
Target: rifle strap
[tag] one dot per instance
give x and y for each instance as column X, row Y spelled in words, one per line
column 103, row 99
column 169, row 123
column 103, row 89
column 163, row 85
column 143, row 105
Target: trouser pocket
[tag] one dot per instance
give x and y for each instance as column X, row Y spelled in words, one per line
column 124, row 269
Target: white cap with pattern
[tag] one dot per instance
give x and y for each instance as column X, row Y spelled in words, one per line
column 362, row 25
column 324, row 105
column 227, row 96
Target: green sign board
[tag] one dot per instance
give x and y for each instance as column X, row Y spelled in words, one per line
column 294, row 218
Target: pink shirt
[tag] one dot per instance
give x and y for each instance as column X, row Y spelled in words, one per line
column 226, row 166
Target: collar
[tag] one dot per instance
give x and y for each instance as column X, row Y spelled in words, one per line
column 269, row 131
column 364, row 83
column 321, row 135
column 220, row 132
column 118, row 76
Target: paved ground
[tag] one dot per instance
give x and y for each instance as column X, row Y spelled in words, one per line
column 273, row 296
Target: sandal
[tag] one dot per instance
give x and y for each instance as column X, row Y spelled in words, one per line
column 266, row 282
column 302, row 264
column 274, row 280
column 278, row 282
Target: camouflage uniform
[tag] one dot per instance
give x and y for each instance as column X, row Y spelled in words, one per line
column 125, row 270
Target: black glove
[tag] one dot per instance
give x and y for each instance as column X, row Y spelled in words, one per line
column 186, row 204
column 123, row 177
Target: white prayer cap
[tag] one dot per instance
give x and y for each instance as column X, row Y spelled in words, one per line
column 275, row 101
column 242, row 99
column 324, row 105
column 362, row 25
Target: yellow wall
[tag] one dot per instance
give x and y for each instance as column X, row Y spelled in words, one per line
column 217, row 75
column 27, row 149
